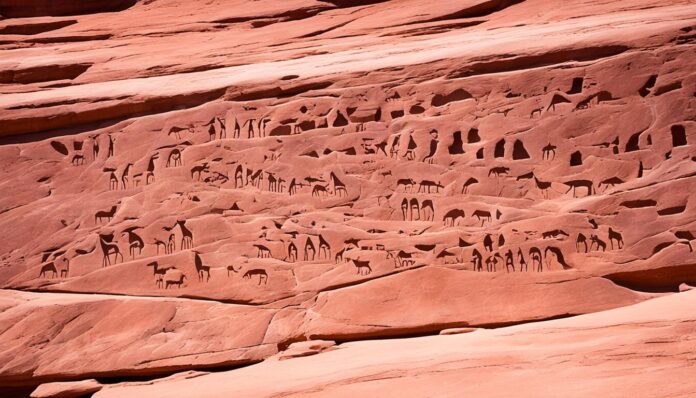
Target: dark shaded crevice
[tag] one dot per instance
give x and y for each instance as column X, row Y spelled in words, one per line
column 33, row 128
column 513, row 63
column 432, row 30
column 353, row 3
column 42, row 8
column 291, row 15
column 68, row 39
column 192, row 297
column 427, row 330
column 40, row 74
column 235, row 94
column 326, row 30
column 657, row 280
column 22, row 389
column 479, row 10
column 35, row 28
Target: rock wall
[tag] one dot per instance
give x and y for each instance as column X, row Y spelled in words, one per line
column 196, row 186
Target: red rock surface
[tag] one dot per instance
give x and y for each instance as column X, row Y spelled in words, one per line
column 641, row 351
column 206, row 185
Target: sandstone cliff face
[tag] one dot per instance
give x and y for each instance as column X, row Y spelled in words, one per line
column 198, row 186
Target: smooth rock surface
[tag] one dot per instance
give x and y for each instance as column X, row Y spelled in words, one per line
column 199, row 186
column 645, row 350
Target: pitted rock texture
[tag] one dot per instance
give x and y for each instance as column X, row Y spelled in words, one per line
column 196, row 186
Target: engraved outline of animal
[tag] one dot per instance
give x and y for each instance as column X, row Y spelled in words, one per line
column 171, row 243
column 48, row 267
column 239, row 176
column 521, row 260
column 292, row 252
column 151, row 168
column 382, row 146
column 319, row 189
column 78, row 159
column 498, row 171
column 610, row 182
column 559, row 257
column 223, row 127
column 159, row 272
column 262, row 251
column 582, row 239
column 547, row 151
column 543, row 186
column 211, row 129
column 408, row 184
column 414, row 206
column 158, row 243
column 362, row 265
column 410, row 150
column 309, row 245
column 404, row 259
column 428, row 204
column 292, row 188
column 434, row 143
column 339, row 255
column 200, row 267
column 134, row 241
column 554, row 233
column 113, row 180
column 535, row 256
column 65, row 270
column 171, row 279
column 453, row 215
column 107, row 248
column 108, row 214
column 272, row 182
column 263, row 275
column 256, row 178
column 124, row 175
column 394, row 148
column 174, row 155
column 468, row 183
column 324, row 247
column 482, row 215
column 429, row 184
column 477, row 260
column 338, row 185
column 596, row 241
column 573, row 184
column 95, row 145
column 492, row 263
column 231, row 268
column 186, row 234
column 250, row 131
column 488, row 243
column 510, row 261
column 615, row 236
column 176, row 130
column 199, row 169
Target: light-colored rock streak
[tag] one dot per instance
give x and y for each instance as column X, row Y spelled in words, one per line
column 608, row 29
